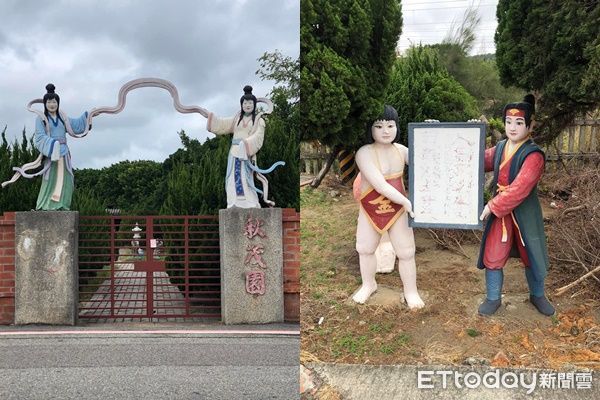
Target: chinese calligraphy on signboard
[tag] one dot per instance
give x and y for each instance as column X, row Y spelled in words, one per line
column 446, row 174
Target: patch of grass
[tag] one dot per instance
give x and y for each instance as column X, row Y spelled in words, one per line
column 312, row 197
column 384, row 327
column 306, row 234
column 555, row 320
column 335, row 304
column 350, row 344
column 387, row 326
column 473, row 332
column 387, row 349
column 402, row 340
column 317, row 295
column 321, row 278
column 323, row 331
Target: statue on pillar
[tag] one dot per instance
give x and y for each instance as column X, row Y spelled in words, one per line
column 248, row 129
column 50, row 138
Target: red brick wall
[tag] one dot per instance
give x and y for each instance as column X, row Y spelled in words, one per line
column 291, row 264
column 7, row 268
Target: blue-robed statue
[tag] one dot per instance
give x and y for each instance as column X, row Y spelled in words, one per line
column 50, row 138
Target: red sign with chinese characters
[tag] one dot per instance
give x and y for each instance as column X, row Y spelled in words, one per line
column 380, row 211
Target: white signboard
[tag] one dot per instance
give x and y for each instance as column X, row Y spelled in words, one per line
column 446, row 174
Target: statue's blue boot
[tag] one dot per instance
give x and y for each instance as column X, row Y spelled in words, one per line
column 489, row 307
column 536, row 293
column 494, row 278
column 542, row 304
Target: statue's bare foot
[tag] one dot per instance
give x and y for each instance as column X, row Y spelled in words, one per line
column 364, row 293
column 413, row 301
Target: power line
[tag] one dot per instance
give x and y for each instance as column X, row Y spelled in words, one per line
column 442, row 30
column 440, row 23
column 434, row 2
column 445, row 8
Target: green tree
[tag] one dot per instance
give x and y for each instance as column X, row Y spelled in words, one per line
column 421, row 88
column 462, row 35
column 195, row 180
column 551, row 48
column 21, row 195
column 281, row 143
column 285, row 71
column 87, row 202
column 480, row 77
column 477, row 74
column 346, row 51
column 131, row 186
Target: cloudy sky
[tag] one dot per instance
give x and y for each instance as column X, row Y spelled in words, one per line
column 428, row 22
column 89, row 48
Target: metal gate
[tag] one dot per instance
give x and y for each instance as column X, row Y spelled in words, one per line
column 149, row 268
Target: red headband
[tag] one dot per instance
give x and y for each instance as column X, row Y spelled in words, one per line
column 515, row 112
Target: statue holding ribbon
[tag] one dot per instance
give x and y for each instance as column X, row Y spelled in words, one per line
column 248, row 128
column 50, row 138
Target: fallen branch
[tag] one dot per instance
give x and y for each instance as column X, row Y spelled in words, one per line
column 572, row 209
column 461, row 248
column 444, row 242
column 563, row 289
column 574, row 262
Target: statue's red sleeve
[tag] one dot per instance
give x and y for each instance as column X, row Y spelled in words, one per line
column 529, row 175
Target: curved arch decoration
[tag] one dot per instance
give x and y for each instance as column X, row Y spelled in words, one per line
column 121, row 102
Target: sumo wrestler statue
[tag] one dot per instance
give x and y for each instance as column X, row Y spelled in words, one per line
column 384, row 207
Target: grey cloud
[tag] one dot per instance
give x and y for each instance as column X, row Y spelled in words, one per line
column 208, row 49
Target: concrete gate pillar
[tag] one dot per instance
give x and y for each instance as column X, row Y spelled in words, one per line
column 46, row 260
column 251, row 265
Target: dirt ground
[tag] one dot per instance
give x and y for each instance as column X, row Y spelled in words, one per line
column 448, row 330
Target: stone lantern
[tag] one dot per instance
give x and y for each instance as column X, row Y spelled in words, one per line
column 135, row 243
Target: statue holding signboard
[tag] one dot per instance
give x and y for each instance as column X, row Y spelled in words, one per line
column 384, row 207
column 515, row 224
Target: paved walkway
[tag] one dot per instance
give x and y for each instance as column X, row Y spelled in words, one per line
column 130, row 300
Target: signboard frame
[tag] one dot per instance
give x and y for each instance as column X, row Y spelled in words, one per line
column 455, row 129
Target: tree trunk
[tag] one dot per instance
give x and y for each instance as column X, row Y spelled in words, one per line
column 330, row 159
